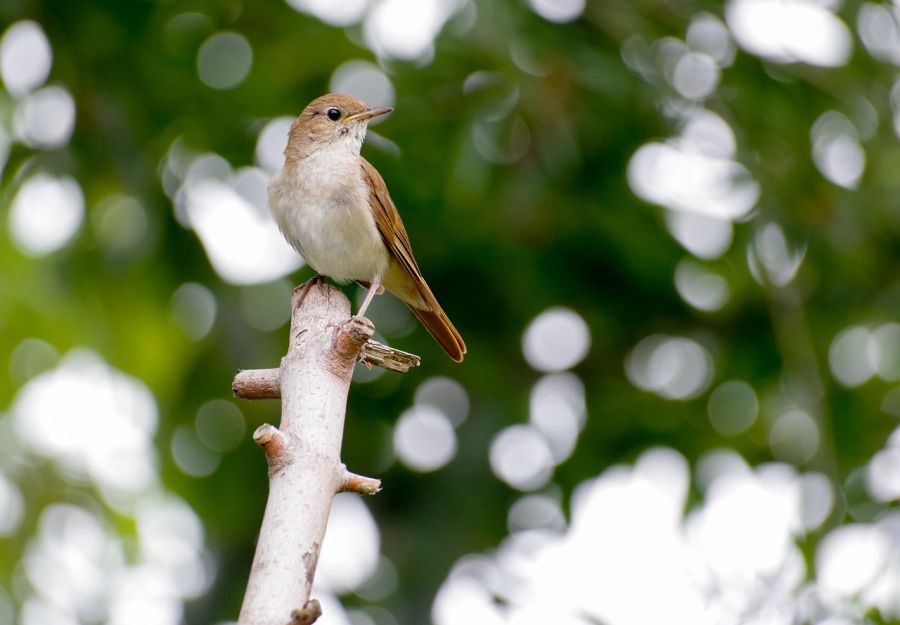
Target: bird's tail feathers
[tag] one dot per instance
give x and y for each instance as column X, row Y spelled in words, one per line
column 439, row 325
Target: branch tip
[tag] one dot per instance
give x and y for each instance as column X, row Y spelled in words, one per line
column 267, row 435
column 308, row 614
column 352, row 335
column 386, row 357
column 360, row 328
column 257, row 384
column 360, row 484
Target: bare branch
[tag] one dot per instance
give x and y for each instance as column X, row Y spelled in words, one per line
column 303, row 453
column 389, row 358
column 266, row 383
column 274, row 445
column 305, row 470
column 360, row 484
column 257, row 384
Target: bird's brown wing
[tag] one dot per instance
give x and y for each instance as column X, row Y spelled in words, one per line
column 409, row 285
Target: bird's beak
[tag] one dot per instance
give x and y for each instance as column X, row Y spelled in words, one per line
column 368, row 114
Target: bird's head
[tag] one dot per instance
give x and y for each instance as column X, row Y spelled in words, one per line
column 332, row 120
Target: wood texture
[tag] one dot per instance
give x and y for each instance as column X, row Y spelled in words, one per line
column 305, row 470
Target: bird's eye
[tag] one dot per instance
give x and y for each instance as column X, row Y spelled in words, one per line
column 333, row 114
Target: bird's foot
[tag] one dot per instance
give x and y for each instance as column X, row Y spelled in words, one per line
column 301, row 290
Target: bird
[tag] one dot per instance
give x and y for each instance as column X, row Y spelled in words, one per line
column 334, row 209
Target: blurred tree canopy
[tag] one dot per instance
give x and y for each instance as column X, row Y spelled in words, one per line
column 664, row 226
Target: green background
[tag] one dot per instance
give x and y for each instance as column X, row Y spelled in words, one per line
column 558, row 225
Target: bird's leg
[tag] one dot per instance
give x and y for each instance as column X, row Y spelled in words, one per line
column 374, row 289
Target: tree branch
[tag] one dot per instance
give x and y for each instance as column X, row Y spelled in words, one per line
column 266, row 383
column 257, row 384
column 305, row 470
column 361, row 484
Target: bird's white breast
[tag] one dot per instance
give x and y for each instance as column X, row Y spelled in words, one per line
column 321, row 205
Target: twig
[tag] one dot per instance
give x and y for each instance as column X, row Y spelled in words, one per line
column 266, row 383
column 361, row 484
column 308, row 614
column 389, row 358
column 257, row 384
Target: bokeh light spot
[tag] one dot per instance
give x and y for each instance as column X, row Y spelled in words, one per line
column 29, row 358
column 191, row 455
column 816, row 499
column 63, row 412
column 271, row 143
column 885, row 340
column 695, row 75
column 224, row 60
column 732, row 407
column 700, row 287
column 25, row 57
column 706, row 33
column 350, row 548
column 382, row 582
column 708, row 133
column 465, row 598
column 557, row 411
column 424, row 439
column 555, row 340
column 447, row 395
column 772, row 261
column 536, row 512
column 45, row 118
column 219, row 425
column 879, row 30
column 559, row 11
column 717, row 463
column 703, row 236
column 12, row 506
column 850, row 557
column 695, row 172
column 145, row 595
column 883, row 474
column 521, row 457
column 854, row 356
column 406, row 29
column 743, row 504
column 194, row 308
column 231, row 217
column 267, row 307
column 37, row 612
column 342, row 13
column 68, row 560
column 790, row 31
column 45, row 214
column 794, row 437
column 836, row 149
column 731, row 558
column 673, row 367
column 121, row 224
column 170, row 536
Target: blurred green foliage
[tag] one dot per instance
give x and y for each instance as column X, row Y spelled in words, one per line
column 500, row 242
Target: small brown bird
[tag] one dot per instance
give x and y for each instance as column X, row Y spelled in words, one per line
column 334, row 209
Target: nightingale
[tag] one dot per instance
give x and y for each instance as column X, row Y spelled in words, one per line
column 333, row 207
